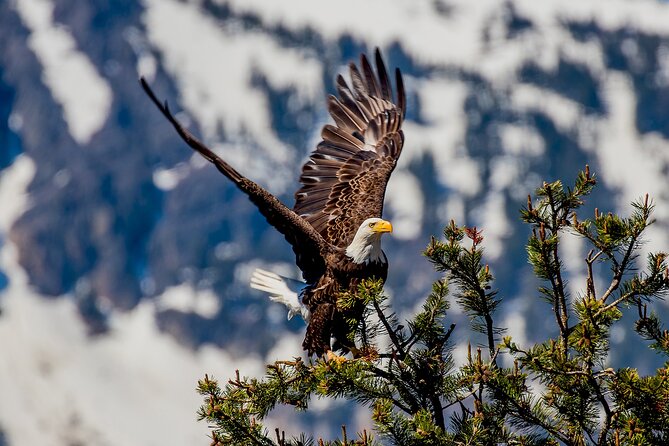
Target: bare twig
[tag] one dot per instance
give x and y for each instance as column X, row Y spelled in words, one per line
column 590, row 281
column 391, row 333
column 616, row 302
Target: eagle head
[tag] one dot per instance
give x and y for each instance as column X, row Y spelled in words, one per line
column 366, row 244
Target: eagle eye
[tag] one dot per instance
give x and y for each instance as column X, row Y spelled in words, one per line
column 371, row 225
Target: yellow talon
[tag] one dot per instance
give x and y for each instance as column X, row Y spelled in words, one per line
column 332, row 356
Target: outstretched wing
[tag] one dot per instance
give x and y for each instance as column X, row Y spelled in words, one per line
column 344, row 180
column 309, row 246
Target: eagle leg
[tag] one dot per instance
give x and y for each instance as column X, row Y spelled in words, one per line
column 319, row 330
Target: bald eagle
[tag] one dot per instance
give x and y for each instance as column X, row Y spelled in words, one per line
column 335, row 227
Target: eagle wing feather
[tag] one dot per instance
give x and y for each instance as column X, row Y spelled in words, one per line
column 309, row 246
column 344, row 181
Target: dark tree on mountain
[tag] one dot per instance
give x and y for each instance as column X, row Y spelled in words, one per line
column 558, row 391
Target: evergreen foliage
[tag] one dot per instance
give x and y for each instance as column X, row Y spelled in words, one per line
column 559, row 391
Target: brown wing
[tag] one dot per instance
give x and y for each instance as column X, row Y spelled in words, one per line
column 309, row 246
column 344, row 180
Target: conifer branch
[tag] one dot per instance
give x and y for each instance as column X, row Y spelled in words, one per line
column 607, row 410
column 552, row 264
column 418, row 397
column 590, row 280
column 621, row 268
column 389, row 330
column 558, row 221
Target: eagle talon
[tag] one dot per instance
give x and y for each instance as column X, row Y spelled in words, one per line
column 333, row 357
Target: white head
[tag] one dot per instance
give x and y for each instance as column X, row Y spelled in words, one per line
column 366, row 245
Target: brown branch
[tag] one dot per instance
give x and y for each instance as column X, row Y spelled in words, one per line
column 391, row 378
column 615, row 303
column 526, row 415
column 590, row 280
column 620, row 269
column 391, row 333
column 559, row 284
column 545, row 257
column 461, row 398
column 609, row 414
column 487, row 313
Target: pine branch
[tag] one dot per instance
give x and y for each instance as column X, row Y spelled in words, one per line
column 416, row 394
column 465, row 268
column 558, row 222
column 550, row 217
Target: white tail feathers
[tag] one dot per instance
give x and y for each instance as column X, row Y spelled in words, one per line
column 283, row 290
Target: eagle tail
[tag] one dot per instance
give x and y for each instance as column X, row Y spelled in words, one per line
column 283, row 290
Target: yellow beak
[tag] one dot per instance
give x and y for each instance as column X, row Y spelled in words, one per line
column 383, row 226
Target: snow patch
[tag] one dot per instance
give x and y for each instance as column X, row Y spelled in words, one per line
column 521, row 140
column 334, row 19
column 462, row 347
column 492, row 218
column 14, row 181
column 504, row 172
column 186, row 299
column 516, row 324
column 72, row 78
column 621, row 150
column 631, row 163
column 289, row 345
column 650, row 15
column 213, row 64
column 572, row 254
column 168, row 179
column 442, row 104
column 15, row 122
column 147, row 65
column 564, row 112
column 459, row 33
column 406, row 202
column 452, row 209
column 618, row 334
column 289, row 270
column 136, row 375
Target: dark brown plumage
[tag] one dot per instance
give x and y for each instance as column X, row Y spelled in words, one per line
column 343, row 187
column 344, row 181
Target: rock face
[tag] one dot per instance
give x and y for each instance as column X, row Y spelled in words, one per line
column 119, row 212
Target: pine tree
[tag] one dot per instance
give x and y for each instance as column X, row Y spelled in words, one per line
column 558, row 391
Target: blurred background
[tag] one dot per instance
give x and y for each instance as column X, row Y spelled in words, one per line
column 125, row 260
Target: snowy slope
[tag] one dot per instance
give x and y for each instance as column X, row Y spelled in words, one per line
column 124, row 259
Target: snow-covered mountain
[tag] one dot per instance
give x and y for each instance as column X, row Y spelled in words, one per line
column 124, row 259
